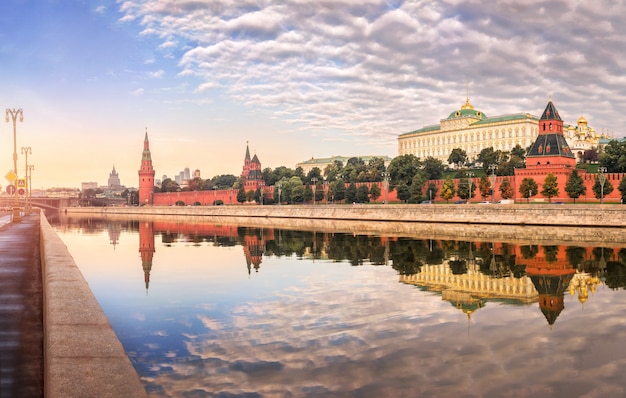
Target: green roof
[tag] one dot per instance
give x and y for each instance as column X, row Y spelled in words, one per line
column 343, row 159
column 425, row 129
column 506, row 118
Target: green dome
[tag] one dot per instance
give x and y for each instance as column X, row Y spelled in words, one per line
column 467, row 110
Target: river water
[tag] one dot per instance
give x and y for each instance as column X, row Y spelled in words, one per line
column 233, row 311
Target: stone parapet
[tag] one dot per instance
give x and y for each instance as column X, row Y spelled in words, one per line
column 607, row 215
column 82, row 355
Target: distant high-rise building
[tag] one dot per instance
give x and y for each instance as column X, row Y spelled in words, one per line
column 114, row 179
column 187, row 175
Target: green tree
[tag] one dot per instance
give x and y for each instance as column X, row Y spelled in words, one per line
column 417, row 186
column 249, row 195
column 622, row 189
column 506, row 189
column 447, row 190
column 458, row 157
column 241, row 194
column 431, row 191
column 484, row 186
column 403, row 192
column 169, row 185
column 338, row 191
column 319, row 192
column 308, row 193
column 297, row 193
column 375, row 192
column 433, row 168
column 351, row 193
column 597, row 188
column 550, row 187
column 487, row 157
column 575, row 186
column 519, row 152
column 402, row 169
column 375, row 169
column 362, row 194
column 224, row 181
column 333, row 170
column 466, row 188
column 315, row 172
column 614, row 157
column 528, row 188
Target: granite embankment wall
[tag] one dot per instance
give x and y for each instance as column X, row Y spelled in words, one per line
column 532, row 223
column 82, row 355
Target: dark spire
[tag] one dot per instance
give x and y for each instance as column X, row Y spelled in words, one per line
column 550, row 113
column 247, row 159
column 146, row 148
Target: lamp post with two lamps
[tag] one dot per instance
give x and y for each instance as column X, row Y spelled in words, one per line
column 602, row 179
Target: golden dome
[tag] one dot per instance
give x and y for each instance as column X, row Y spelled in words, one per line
column 582, row 120
column 467, row 105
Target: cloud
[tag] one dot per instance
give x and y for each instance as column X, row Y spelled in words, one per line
column 137, row 92
column 371, row 70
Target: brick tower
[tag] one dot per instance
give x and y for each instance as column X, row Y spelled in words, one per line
column 146, row 175
column 252, row 175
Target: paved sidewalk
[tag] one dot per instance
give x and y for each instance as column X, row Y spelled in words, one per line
column 21, row 325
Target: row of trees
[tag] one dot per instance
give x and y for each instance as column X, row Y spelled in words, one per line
column 406, row 174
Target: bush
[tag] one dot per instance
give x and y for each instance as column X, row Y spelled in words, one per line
column 180, row 203
column 218, row 202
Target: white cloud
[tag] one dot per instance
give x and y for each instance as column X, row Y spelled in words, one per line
column 375, row 69
column 137, row 92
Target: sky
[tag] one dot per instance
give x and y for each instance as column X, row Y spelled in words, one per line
column 292, row 79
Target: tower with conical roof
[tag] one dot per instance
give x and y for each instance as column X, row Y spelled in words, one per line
column 550, row 148
column 146, row 250
column 146, row 174
column 549, row 154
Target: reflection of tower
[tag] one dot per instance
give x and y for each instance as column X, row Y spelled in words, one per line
column 146, row 249
column 115, row 230
column 146, row 174
column 551, row 274
column 253, row 250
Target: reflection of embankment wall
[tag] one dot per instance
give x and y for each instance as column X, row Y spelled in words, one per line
column 83, row 357
column 557, row 224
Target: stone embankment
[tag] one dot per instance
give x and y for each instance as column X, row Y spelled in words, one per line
column 533, row 223
column 82, row 355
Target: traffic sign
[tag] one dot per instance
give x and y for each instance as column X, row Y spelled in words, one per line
column 21, row 191
column 11, row 189
column 21, row 182
column 10, row 176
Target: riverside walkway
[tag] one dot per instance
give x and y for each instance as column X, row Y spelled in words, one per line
column 21, row 319
column 55, row 341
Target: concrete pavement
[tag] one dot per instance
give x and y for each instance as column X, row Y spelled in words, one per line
column 21, row 325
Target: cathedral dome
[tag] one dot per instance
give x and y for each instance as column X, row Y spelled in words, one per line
column 467, row 110
column 582, row 120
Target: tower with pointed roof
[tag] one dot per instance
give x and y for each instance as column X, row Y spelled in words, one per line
column 146, row 174
column 114, row 179
column 252, row 175
column 550, row 147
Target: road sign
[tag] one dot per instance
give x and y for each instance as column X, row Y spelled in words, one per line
column 21, row 191
column 21, row 182
column 11, row 189
column 10, row 176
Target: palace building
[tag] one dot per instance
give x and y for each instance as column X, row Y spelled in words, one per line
column 472, row 131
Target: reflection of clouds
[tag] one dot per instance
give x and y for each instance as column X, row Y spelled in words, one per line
column 366, row 336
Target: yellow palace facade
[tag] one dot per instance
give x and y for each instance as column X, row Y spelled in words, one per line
column 472, row 131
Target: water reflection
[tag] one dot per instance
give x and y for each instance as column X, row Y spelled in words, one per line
column 299, row 329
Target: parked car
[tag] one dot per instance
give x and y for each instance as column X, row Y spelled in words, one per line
column 484, row 203
column 460, row 202
column 427, row 202
column 506, row 202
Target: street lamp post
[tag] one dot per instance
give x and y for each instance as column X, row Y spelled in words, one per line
column 314, row 181
column 386, row 186
column 25, row 150
column 14, row 113
column 492, row 178
column 602, row 179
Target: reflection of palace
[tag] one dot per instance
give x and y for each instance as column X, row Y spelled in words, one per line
column 549, row 274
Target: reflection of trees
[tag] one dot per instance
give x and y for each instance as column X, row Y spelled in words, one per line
column 616, row 274
column 529, row 252
column 458, row 267
column 575, row 256
column 551, row 253
column 407, row 255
